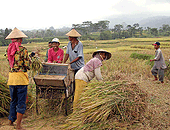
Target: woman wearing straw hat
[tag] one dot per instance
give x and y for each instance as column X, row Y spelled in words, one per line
column 89, row 71
column 17, row 56
column 74, row 51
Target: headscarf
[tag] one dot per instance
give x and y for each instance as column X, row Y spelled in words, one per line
column 12, row 48
column 93, row 63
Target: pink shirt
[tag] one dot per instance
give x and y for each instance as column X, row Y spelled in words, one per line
column 55, row 56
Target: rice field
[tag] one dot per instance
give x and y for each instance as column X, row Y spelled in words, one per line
column 122, row 75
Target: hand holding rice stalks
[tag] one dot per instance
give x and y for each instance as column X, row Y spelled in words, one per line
column 36, row 66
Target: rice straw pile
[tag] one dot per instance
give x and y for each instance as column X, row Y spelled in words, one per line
column 4, row 97
column 107, row 105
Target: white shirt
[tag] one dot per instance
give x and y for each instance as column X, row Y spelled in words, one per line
column 89, row 75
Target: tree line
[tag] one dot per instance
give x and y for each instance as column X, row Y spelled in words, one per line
column 90, row 31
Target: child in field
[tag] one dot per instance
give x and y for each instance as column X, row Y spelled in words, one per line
column 55, row 54
column 89, row 71
column 159, row 64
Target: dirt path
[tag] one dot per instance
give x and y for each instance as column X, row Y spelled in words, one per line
column 30, row 123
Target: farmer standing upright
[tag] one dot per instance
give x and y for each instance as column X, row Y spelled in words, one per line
column 159, row 65
column 17, row 56
column 74, row 51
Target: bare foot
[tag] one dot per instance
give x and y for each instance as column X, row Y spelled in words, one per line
column 11, row 123
column 20, row 128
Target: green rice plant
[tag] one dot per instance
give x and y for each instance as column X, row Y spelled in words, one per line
column 102, row 105
column 4, row 97
column 141, row 56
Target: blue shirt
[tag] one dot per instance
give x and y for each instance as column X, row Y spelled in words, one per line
column 73, row 54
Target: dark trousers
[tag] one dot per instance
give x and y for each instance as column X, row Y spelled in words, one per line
column 18, row 95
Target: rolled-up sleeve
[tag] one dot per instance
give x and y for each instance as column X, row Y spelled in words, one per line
column 158, row 55
column 97, row 73
column 80, row 50
column 67, row 51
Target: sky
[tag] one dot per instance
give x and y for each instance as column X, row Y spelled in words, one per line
column 41, row 14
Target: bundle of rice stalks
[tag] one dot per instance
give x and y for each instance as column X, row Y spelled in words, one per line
column 36, row 66
column 4, row 97
column 107, row 106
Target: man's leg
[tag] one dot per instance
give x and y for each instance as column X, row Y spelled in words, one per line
column 12, row 113
column 154, row 72
column 21, row 107
column 161, row 75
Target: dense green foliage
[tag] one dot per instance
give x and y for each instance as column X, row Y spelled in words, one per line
column 90, row 31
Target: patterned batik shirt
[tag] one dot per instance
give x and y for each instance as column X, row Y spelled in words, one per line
column 21, row 61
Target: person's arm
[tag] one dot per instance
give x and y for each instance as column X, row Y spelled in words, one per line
column 98, row 74
column 66, row 58
column 26, row 58
column 75, row 60
column 157, row 57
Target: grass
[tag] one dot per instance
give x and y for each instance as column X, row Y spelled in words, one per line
column 118, row 69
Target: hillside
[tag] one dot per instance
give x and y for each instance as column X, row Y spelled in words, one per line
column 143, row 20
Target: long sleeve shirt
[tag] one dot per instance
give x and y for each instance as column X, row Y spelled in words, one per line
column 18, row 74
column 159, row 60
column 89, row 75
column 55, row 56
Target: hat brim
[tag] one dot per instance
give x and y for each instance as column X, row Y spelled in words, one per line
column 155, row 44
column 108, row 54
column 55, row 42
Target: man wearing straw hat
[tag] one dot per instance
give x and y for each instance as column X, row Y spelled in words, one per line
column 17, row 56
column 88, row 72
column 74, row 51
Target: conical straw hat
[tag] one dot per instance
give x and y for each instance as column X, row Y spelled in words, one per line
column 108, row 54
column 73, row 33
column 16, row 33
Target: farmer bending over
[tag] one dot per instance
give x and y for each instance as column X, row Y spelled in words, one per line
column 89, row 71
column 159, row 64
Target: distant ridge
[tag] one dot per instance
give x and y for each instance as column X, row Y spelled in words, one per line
column 144, row 20
column 155, row 22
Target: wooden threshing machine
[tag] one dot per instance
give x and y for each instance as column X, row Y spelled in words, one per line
column 53, row 81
